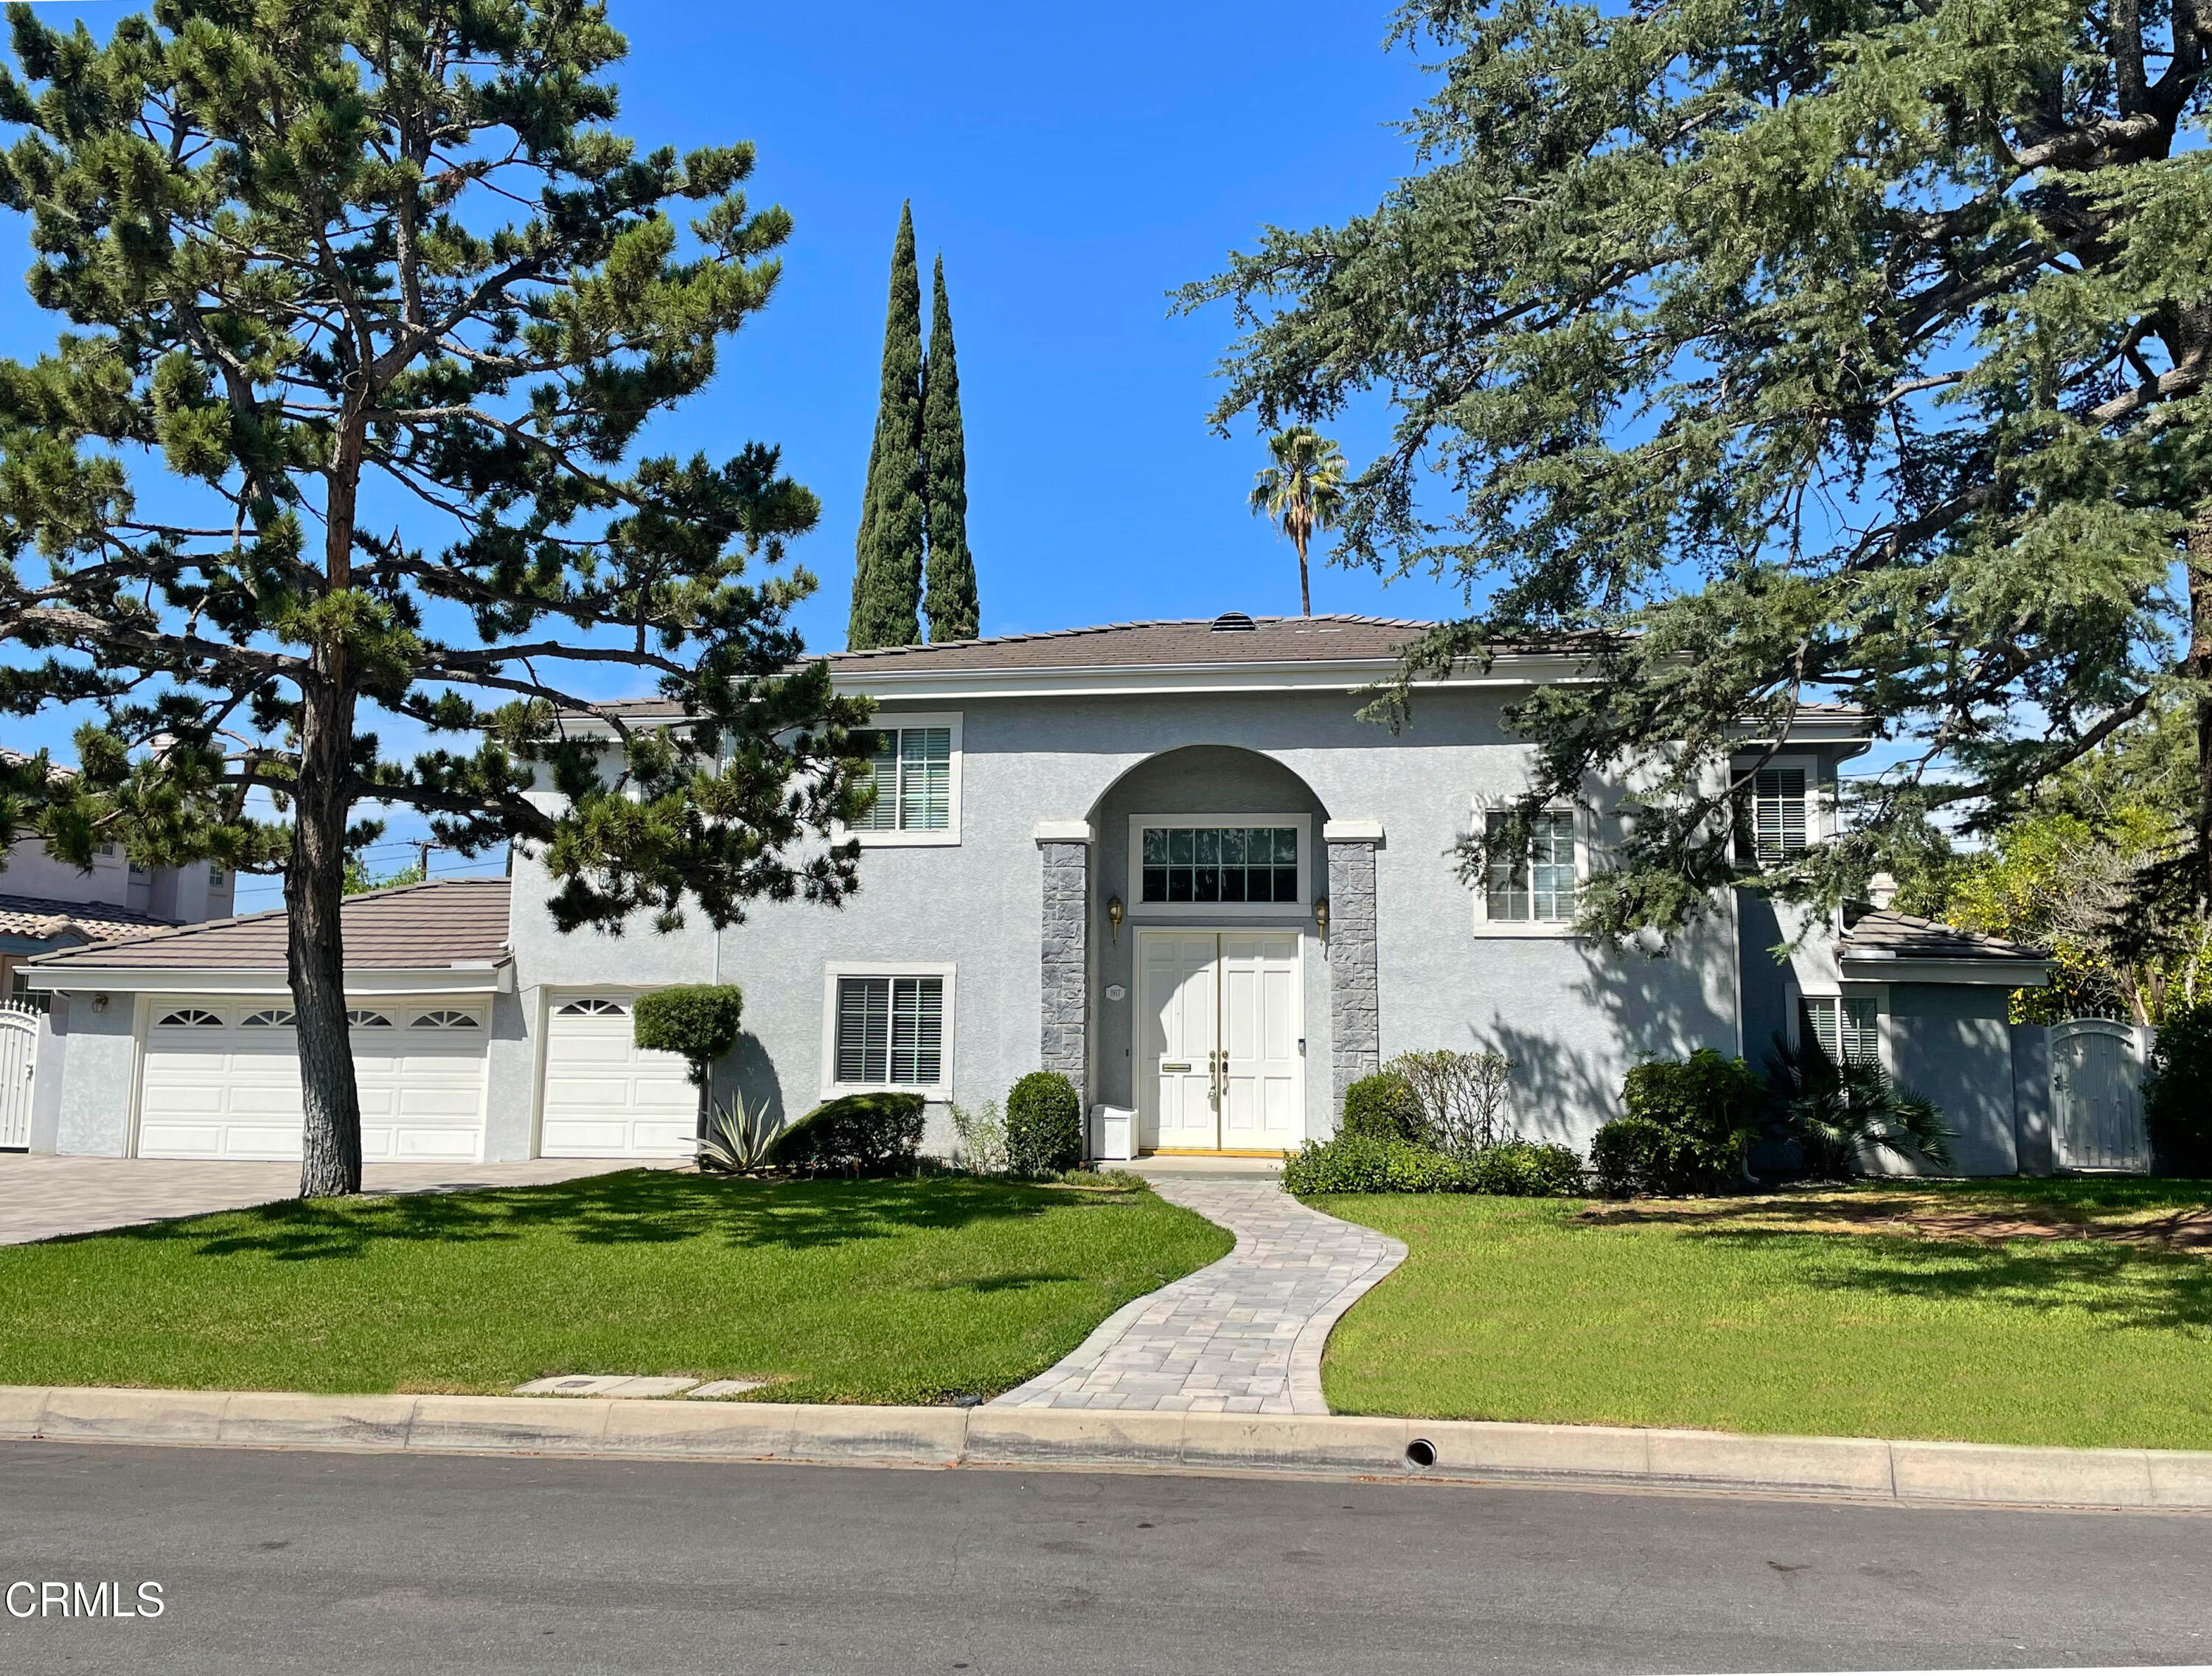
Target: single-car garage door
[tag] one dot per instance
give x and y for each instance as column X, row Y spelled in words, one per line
column 221, row 1080
column 606, row 1097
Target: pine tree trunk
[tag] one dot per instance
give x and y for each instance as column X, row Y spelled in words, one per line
column 314, row 886
column 2200, row 666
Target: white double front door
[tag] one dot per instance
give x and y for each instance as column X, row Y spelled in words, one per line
column 1220, row 1020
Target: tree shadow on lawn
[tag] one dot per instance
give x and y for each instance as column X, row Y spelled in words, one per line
column 2121, row 1286
column 629, row 1208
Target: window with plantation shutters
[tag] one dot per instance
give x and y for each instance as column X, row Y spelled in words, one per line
column 1846, row 1028
column 912, row 770
column 1776, row 820
column 890, row 1032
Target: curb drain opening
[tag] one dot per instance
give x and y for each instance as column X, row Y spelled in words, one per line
column 1421, row 1453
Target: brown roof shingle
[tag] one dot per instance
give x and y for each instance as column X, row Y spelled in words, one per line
column 443, row 922
column 1268, row 639
column 1884, row 931
column 49, row 916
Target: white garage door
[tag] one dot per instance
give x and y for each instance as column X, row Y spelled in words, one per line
column 221, row 1080
column 606, row 1097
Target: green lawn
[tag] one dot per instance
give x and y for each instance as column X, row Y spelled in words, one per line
column 1522, row 1310
column 844, row 1291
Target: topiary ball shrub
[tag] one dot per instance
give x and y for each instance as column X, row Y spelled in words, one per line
column 2178, row 1094
column 698, row 1020
column 1044, row 1124
column 1384, row 1106
column 860, row 1134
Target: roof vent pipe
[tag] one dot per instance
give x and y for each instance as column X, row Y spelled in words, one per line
column 1233, row 622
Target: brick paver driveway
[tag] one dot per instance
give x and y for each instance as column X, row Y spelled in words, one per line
column 1241, row 1336
column 41, row 1196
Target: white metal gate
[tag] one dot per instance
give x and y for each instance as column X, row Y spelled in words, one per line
column 2096, row 1096
column 19, row 1053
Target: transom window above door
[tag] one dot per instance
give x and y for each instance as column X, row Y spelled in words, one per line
column 915, row 767
column 591, row 1006
column 1216, row 863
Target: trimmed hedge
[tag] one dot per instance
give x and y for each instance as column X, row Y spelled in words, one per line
column 1044, row 1124
column 1375, row 1164
column 861, row 1134
column 1689, row 1128
column 1384, row 1106
column 2178, row 1094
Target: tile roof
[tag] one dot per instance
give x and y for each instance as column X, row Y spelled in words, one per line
column 48, row 916
column 1267, row 639
column 443, row 922
column 1884, row 931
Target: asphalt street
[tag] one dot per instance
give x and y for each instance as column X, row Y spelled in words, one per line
column 306, row 1562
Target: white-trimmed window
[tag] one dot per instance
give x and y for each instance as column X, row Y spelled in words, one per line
column 448, row 1018
column 887, row 1026
column 1846, row 1028
column 1220, row 867
column 188, row 1018
column 367, row 1018
column 270, row 1018
column 1533, row 889
column 1778, row 814
column 914, row 763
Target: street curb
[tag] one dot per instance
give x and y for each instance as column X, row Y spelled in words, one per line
column 1471, row 1451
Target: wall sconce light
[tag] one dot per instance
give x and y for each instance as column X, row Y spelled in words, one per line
column 1113, row 912
column 1320, row 917
column 99, row 1004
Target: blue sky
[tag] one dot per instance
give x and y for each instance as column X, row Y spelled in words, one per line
column 1074, row 164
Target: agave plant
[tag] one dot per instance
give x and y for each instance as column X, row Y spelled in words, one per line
column 1840, row 1113
column 738, row 1138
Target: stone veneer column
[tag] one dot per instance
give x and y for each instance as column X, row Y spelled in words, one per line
column 1064, row 1022
column 1355, row 1029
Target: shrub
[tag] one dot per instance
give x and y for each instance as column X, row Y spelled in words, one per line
column 698, row 1020
column 2178, row 1093
column 1840, row 1113
column 979, row 1139
column 1044, row 1124
column 1702, row 1114
column 860, row 1134
column 739, row 1138
column 1463, row 1097
column 1384, row 1106
column 1377, row 1163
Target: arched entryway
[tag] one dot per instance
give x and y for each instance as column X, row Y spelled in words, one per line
column 1209, row 989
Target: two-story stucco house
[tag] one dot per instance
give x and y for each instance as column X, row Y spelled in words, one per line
column 1167, row 859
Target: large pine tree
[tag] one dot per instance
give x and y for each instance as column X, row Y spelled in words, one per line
column 373, row 303
column 954, row 614
column 888, row 555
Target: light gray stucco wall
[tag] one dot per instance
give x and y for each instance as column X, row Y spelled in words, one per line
column 49, row 1076
column 510, row 1105
column 1951, row 1043
column 96, row 1098
column 2033, row 1138
column 1575, row 1015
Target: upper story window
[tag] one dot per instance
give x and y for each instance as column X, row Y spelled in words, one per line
column 888, row 1028
column 1775, row 814
column 915, row 764
column 1535, row 884
column 1221, row 864
column 1847, row 1028
column 216, row 875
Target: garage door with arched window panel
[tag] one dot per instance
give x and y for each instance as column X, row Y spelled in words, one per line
column 605, row 1097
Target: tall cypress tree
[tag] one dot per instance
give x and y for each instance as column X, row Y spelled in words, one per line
column 954, row 614
column 888, row 554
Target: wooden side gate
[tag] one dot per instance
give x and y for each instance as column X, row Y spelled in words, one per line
column 19, row 1053
column 2096, row 1096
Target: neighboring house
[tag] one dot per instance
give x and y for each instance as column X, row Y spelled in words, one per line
column 1166, row 859
column 47, row 904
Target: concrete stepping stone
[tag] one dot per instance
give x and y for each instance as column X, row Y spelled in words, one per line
column 728, row 1388
column 605, row 1385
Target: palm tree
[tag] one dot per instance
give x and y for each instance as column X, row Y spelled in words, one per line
column 1303, row 491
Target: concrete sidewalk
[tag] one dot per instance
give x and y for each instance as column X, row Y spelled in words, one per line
column 1344, row 1446
column 43, row 1196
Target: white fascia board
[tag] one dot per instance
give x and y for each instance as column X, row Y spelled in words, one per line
column 1331, row 675
column 478, row 978
column 1887, row 969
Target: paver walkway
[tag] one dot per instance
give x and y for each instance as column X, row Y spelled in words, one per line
column 42, row 1195
column 1243, row 1335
